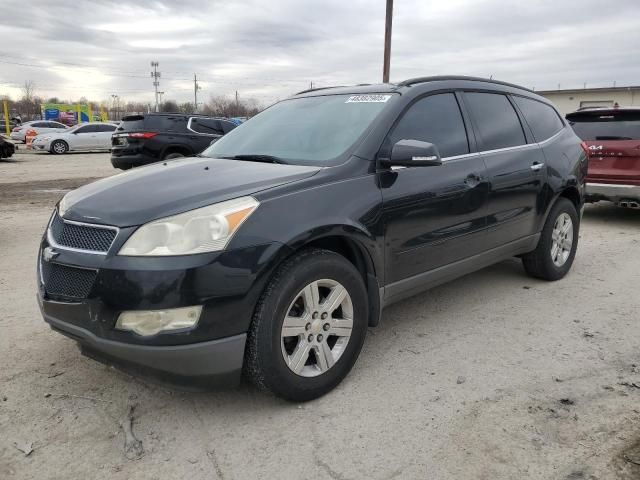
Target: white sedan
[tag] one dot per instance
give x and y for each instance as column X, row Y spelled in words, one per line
column 85, row 136
column 39, row 126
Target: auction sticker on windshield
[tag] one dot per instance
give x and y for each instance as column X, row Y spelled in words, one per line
column 368, row 98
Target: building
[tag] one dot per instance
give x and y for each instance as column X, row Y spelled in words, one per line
column 570, row 100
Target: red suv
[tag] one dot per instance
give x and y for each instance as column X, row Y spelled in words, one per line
column 612, row 141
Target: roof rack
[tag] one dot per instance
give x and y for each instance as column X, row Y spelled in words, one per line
column 414, row 81
column 319, row 88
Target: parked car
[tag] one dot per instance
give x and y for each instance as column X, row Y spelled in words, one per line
column 85, row 136
column 612, row 140
column 143, row 139
column 39, row 126
column 274, row 250
column 7, row 149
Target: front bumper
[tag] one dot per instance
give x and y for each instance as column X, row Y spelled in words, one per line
column 227, row 284
column 217, row 363
column 612, row 192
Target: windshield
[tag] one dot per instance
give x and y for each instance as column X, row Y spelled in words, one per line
column 307, row 130
column 622, row 126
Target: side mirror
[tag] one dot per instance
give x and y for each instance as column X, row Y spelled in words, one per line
column 414, row 153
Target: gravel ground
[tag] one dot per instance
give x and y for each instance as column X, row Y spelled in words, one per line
column 493, row 376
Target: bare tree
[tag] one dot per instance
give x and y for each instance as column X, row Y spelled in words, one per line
column 28, row 90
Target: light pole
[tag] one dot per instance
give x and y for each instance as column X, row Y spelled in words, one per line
column 116, row 104
column 155, row 75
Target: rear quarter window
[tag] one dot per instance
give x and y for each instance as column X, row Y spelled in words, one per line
column 541, row 118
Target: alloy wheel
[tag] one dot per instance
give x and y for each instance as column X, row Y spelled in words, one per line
column 317, row 328
column 561, row 239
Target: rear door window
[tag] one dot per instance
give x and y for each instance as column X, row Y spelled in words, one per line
column 208, row 126
column 153, row 123
column 496, row 120
column 606, row 125
column 435, row 119
column 106, row 128
column 543, row 119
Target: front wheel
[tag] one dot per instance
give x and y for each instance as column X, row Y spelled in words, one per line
column 553, row 257
column 308, row 327
column 58, row 147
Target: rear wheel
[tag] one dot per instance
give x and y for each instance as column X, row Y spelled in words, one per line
column 169, row 156
column 59, row 146
column 553, row 257
column 308, row 327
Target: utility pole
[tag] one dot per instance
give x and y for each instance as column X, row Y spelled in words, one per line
column 160, row 97
column 387, row 42
column 237, row 105
column 196, row 87
column 155, row 75
column 311, row 85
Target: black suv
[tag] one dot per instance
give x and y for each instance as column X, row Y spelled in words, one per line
column 143, row 139
column 271, row 253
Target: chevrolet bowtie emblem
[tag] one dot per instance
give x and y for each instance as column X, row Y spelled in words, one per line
column 49, row 254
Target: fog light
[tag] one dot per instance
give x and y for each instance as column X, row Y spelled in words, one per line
column 150, row 322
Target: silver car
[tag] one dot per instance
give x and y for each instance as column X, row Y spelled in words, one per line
column 39, row 126
column 85, row 136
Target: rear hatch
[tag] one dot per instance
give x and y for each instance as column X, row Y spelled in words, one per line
column 135, row 130
column 612, row 140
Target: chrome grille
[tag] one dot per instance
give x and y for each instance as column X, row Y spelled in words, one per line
column 65, row 283
column 81, row 236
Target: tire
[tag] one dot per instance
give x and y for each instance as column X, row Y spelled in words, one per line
column 169, row 156
column 59, row 147
column 270, row 352
column 551, row 261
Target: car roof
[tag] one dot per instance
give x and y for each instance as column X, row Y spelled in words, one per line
column 400, row 86
column 170, row 114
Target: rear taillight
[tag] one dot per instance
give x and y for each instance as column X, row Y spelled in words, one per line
column 142, row 135
column 585, row 147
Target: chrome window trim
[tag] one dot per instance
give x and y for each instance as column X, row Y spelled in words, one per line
column 53, row 243
column 552, row 137
column 200, row 133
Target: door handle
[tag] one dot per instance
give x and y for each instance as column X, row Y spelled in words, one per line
column 537, row 166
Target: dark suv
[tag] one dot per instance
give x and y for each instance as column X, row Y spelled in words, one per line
column 143, row 139
column 271, row 253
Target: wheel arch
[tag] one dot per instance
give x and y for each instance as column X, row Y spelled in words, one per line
column 358, row 255
column 354, row 251
column 176, row 148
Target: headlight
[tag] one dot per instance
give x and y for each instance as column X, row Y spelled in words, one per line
column 207, row 229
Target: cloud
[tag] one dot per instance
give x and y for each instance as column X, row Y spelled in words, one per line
column 269, row 50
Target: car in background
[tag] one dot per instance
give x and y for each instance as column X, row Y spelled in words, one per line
column 148, row 138
column 612, row 141
column 7, row 149
column 82, row 137
column 39, row 126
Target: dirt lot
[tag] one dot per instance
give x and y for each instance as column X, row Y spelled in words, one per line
column 493, row 376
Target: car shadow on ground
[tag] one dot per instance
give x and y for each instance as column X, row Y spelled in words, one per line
column 607, row 212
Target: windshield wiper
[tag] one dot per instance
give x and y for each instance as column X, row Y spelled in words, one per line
column 257, row 158
column 613, row 137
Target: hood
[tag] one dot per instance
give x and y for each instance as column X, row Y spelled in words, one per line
column 168, row 188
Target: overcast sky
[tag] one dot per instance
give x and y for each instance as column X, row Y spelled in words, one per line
column 269, row 49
